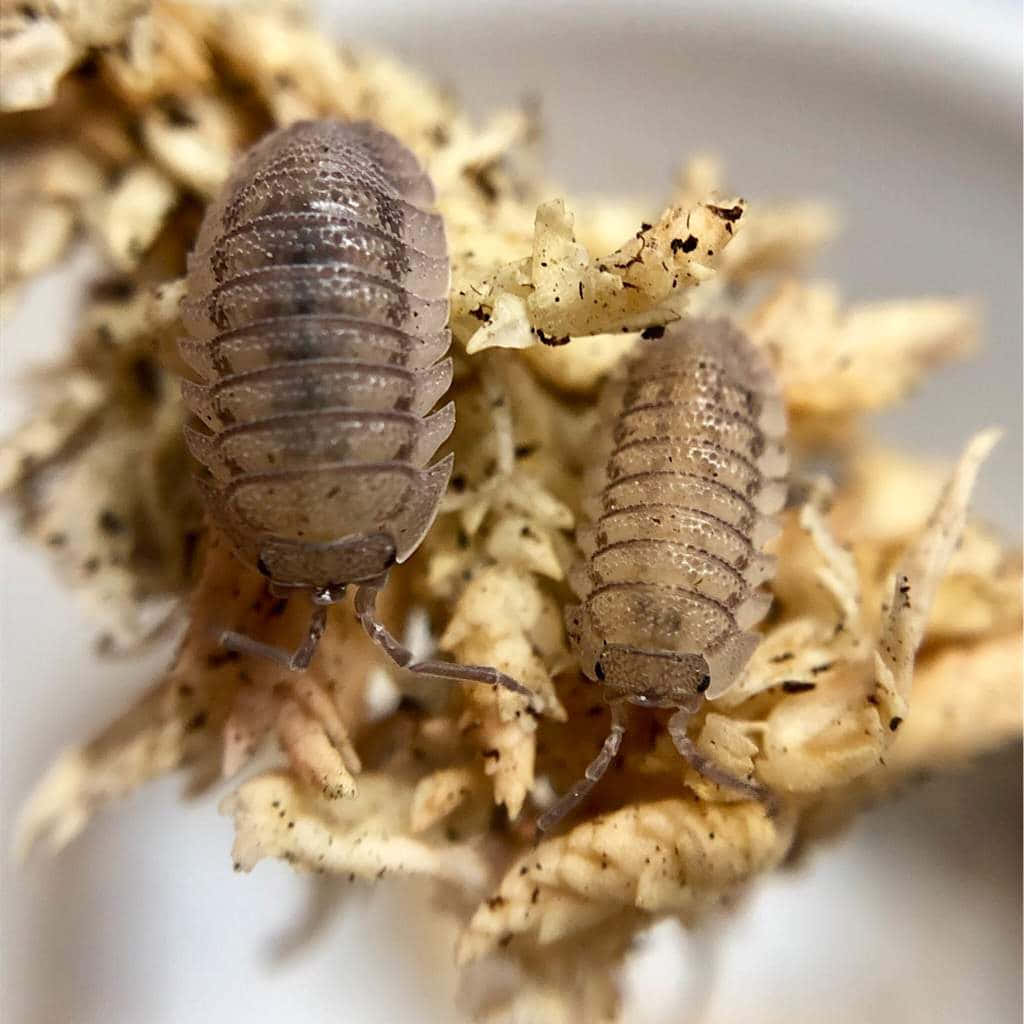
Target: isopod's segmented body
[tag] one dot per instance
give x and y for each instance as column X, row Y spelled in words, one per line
column 317, row 304
column 317, row 307
column 681, row 498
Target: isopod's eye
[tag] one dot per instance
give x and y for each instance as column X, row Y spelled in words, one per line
column 599, row 670
column 705, row 682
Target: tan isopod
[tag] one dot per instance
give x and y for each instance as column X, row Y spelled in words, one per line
column 317, row 307
column 681, row 497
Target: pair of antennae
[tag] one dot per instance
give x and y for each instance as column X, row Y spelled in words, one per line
column 574, row 796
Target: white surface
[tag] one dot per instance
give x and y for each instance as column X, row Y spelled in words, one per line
column 907, row 113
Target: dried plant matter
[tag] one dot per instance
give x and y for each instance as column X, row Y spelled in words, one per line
column 213, row 711
column 892, row 646
column 663, row 856
column 829, row 358
column 561, row 291
column 42, row 41
column 46, row 186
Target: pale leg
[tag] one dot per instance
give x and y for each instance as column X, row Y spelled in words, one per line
column 595, row 770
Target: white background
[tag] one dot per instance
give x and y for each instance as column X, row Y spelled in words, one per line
column 908, row 116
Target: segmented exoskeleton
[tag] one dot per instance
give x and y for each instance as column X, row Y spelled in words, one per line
column 681, row 496
column 317, row 306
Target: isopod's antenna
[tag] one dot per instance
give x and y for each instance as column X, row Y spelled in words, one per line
column 711, row 771
column 366, row 599
column 595, row 770
column 297, row 660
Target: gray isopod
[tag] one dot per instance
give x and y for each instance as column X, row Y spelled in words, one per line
column 317, row 307
column 681, row 498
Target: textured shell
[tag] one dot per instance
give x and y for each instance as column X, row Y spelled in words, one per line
column 317, row 303
column 681, row 498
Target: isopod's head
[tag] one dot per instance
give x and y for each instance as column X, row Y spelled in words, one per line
column 646, row 677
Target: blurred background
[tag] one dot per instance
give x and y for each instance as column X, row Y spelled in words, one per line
column 908, row 117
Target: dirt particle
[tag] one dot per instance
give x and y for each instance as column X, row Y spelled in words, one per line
column 797, row 686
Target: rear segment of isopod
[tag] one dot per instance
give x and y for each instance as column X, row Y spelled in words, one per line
column 681, row 498
column 317, row 310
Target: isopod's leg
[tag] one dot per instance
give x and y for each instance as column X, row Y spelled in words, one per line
column 595, row 770
column 707, row 767
column 366, row 598
column 296, row 660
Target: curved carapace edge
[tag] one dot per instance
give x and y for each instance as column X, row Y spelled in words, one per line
column 317, row 310
column 681, row 496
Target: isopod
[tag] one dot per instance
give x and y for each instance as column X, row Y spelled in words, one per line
column 681, row 498
column 317, row 305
